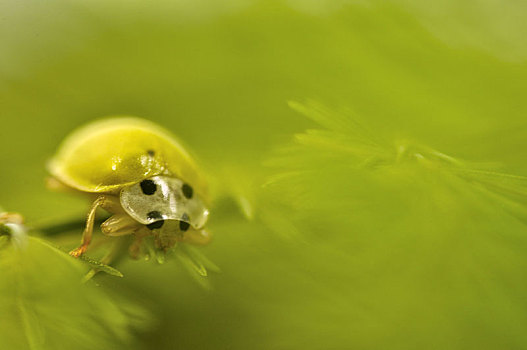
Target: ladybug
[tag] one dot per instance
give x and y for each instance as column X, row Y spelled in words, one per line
column 141, row 174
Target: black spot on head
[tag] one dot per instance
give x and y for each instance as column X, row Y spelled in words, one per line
column 155, row 215
column 148, row 187
column 187, row 191
column 151, row 152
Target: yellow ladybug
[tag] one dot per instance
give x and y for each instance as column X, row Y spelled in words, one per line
column 141, row 174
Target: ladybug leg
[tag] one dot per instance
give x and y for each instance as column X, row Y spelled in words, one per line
column 119, row 225
column 106, row 202
column 122, row 224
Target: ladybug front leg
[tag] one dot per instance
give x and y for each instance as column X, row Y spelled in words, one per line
column 106, row 202
column 120, row 224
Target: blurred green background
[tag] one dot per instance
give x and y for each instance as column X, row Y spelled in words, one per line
column 358, row 237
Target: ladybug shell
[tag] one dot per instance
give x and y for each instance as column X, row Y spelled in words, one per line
column 108, row 154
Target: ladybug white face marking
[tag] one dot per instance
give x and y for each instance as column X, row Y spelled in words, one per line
column 168, row 197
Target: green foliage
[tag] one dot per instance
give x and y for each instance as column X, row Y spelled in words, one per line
column 45, row 306
column 423, row 243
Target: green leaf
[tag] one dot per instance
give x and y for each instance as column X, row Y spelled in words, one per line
column 99, row 266
column 44, row 305
column 405, row 235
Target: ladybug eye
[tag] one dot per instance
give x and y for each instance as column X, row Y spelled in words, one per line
column 184, row 225
column 155, row 225
column 187, row 191
column 148, row 187
column 155, row 215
